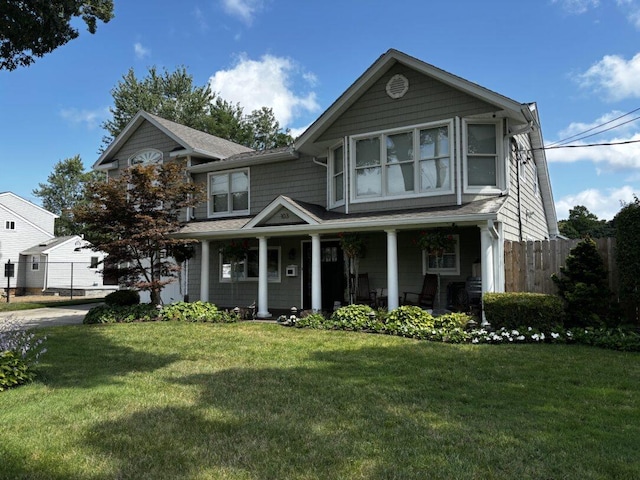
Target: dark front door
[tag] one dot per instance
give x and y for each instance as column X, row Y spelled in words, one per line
column 332, row 265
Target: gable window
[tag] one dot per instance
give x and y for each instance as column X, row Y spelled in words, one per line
column 35, row 262
column 229, row 193
column 247, row 269
column 403, row 163
column 481, row 157
column 337, row 176
column 446, row 264
column 150, row 156
column 10, row 225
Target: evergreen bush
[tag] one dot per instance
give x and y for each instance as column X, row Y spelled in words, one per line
column 517, row 309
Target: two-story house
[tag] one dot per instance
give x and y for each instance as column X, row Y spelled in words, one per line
column 41, row 261
column 405, row 149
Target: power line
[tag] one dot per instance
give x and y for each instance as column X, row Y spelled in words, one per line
column 565, row 140
column 603, row 144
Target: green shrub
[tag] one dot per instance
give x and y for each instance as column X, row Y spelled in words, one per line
column 515, row 310
column 14, row 370
column 312, row 320
column 195, row 312
column 353, row 317
column 583, row 285
column 408, row 321
column 611, row 338
column 452, row 321
column 144, row 312
column 122, row 298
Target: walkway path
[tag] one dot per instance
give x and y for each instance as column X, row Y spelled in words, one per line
column 50, row 316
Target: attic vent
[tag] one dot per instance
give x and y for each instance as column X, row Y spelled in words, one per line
column 397, row 86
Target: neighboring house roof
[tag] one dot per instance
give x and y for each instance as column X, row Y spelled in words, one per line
column 325, row 221
column 4, row 196
column 26, row 220
column 44, row 248
column 193, row 141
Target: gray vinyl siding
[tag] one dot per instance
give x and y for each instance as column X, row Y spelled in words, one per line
column 301, row 179
column 36, row 215
column 534, row 225
column 427, row 100
column 281, row 295
column 146, row 136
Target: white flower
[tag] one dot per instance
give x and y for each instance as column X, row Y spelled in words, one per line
column 521, row 337
column 555, row 335
column 475, row 340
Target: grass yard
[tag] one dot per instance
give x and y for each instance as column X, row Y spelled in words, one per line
column 259, row 401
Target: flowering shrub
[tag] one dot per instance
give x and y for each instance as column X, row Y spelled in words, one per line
column 354, row 317
column 19, row 353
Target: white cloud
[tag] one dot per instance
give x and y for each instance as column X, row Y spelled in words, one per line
column 616, row 77
column 577, row 6
column 604, row 204
column 90, row 118
column 244, row 10
column 267, row 82
column 141, row 51
column 621, row 157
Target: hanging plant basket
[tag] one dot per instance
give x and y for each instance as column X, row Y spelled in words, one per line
column 352, row 245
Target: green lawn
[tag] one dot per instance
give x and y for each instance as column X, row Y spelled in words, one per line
column 260, row 401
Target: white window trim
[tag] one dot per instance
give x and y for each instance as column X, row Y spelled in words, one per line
column 331, row 173
column 381, row 134
column 35, row 263
column 500, row 166
column 443, row 271
column 228, row 213
column 10, row 225
column 277, row 279
column 146, row 156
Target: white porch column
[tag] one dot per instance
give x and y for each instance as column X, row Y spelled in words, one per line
column 486, row 252
column 392, row 270
column 204, row 271
column 263, row 279
column 316, row 274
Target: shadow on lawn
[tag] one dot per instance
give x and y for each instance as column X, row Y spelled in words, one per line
column 376, row 412
column 115, row 360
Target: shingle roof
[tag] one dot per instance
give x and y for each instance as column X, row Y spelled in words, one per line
column 46, row 245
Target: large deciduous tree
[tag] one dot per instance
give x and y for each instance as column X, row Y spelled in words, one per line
column 174, row 96
column 34, row 28
column 582, row 223
column 132, row 218
column 63, row 191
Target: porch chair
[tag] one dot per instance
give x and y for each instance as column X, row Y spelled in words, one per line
column 427, row 296
column 364, row 294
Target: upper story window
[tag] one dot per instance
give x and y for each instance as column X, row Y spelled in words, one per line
column 229, row 193
column 403, row 163
column 150, row 156
column 336, row 169
column 10, row 225
column 482, row 154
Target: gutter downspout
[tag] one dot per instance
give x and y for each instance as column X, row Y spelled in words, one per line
column 458, row 161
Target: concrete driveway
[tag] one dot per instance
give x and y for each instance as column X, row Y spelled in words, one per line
column 49, row 317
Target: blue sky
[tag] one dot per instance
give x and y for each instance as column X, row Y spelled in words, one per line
column 578, row 59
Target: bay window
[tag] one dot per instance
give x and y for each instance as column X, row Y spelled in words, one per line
column 337, row 176
column 400, row 163
column 229, row 193
column 481, row 156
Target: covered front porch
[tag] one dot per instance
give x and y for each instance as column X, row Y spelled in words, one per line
column 303, row 263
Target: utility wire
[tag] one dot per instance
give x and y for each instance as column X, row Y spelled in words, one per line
column 566, row 140
column 604, row 144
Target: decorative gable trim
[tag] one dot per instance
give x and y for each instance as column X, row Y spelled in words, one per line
column 282, row 211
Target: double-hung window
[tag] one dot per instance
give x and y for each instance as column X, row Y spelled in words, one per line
column 447, row 263
column 10, row 225
column 336, row 192
column 247, row 269
column 229, row 193
column 482, row 153
column 403, row 163
column 35, row 262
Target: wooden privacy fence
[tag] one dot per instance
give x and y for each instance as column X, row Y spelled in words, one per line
column 529, row 265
